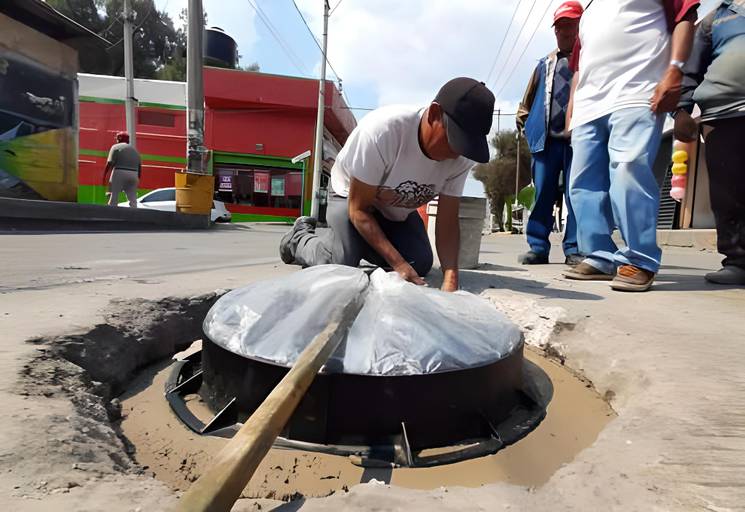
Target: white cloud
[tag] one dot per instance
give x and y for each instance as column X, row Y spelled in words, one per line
column 404, row 51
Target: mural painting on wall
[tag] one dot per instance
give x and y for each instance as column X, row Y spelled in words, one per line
column 38, row 158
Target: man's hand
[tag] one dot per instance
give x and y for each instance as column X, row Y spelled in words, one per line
column 667, row 93
column 408, row 273
column 686, row 129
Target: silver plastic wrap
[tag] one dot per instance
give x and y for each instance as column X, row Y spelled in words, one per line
column 402, row 329
column 276, row 319
column 405, row 329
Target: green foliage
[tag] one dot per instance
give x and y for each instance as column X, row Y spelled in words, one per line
column 159, row 48
column 498, row 175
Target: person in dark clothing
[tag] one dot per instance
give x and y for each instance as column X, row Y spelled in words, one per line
column 714, row 79
column 541, row 117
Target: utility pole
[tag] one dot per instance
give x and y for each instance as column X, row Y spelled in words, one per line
column 129, row 73
column 195, row 188
column 318, row 151
column 517, row 171
column 195, row 149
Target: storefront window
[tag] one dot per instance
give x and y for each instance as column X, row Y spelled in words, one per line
column 260, row 187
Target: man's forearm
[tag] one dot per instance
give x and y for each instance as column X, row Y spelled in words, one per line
column 447, row 241
column 682, row 38
column 367, row 226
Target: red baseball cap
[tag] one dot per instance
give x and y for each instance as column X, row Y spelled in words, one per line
column 122, row 137
column 571, row 9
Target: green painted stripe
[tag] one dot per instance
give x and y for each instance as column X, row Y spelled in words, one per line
column 113, row 101
column 250, row 217
column 96, row 99
column 96, row 194
column 160, row 105
column 223, row 157
column 93, row 152
column 157, row 158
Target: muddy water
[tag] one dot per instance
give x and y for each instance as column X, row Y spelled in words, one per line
column 177, row 456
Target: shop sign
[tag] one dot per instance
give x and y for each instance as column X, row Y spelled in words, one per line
column 225, row 183
column 278, row 186
column 261, row 182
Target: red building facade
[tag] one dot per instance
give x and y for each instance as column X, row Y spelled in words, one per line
column 255, row 123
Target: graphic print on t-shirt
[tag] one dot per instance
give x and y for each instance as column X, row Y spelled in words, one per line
column 408, row 194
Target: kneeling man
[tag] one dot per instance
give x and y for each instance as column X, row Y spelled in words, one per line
column 397, row 159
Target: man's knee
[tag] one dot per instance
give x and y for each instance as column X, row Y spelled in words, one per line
column 423, row 260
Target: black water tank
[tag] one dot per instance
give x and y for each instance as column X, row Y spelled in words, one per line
column 219, row 49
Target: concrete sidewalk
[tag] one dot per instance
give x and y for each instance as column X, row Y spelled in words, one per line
column 29, row 214
column 671, row 362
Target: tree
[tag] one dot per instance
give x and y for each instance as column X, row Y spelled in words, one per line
column 156, row 42
column 498, row 175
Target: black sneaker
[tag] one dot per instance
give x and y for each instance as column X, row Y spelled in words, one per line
column 729, row 274
column 286, row 247
column 533, row 258
column 574, row 259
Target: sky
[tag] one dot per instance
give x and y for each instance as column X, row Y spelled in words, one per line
column 395, row 51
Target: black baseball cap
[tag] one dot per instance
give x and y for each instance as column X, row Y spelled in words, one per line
column 469, row 105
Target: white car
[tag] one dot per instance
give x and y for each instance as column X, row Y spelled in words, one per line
column 164, row 199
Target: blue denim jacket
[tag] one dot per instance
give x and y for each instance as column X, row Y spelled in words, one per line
column 714, row 76
column 534, row 111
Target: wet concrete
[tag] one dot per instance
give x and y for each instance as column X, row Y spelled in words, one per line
column 176, row 456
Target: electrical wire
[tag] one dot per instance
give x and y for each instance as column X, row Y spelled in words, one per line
column 501, row 45
column 139, row 25
column 314, row 37
column 514, row 45
column 535, row 31
column 336, row 7
column 324, row 56
column 291, row 55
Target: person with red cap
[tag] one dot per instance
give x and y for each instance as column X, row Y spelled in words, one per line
column 125, row 167
column 627, row 75
column 541, row 118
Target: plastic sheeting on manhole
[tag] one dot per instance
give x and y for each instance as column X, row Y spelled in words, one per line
column 402, row 328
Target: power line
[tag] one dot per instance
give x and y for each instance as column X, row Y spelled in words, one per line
column 514, row 44
column 139, row 25
column 337, row 6
column 291, row 55
column 314, row 37
column 509, row 26
column 323, row 55
column 535, row 31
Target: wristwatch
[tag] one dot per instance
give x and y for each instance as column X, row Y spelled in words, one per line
column 678, row 64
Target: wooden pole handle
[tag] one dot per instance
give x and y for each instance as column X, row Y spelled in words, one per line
column 219, row 488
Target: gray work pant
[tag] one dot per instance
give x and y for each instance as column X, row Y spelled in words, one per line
column 123, row 180
column 343, row 245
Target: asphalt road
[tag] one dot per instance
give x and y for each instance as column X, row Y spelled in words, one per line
column 43, row 261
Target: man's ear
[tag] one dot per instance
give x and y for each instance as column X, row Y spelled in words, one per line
column 434, row 113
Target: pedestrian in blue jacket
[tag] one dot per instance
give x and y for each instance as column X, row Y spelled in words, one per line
column 714, row 79
column 541, row 117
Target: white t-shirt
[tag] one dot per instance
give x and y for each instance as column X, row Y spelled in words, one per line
column 625, row 52
column 383, row 150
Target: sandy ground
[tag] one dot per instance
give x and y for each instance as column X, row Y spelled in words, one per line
column 672, row 363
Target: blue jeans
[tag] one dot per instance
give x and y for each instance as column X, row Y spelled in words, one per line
column 547, row 167
column 612, row 184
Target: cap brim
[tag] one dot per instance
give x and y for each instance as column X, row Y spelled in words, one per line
column 569, row 16
column 473, row 146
